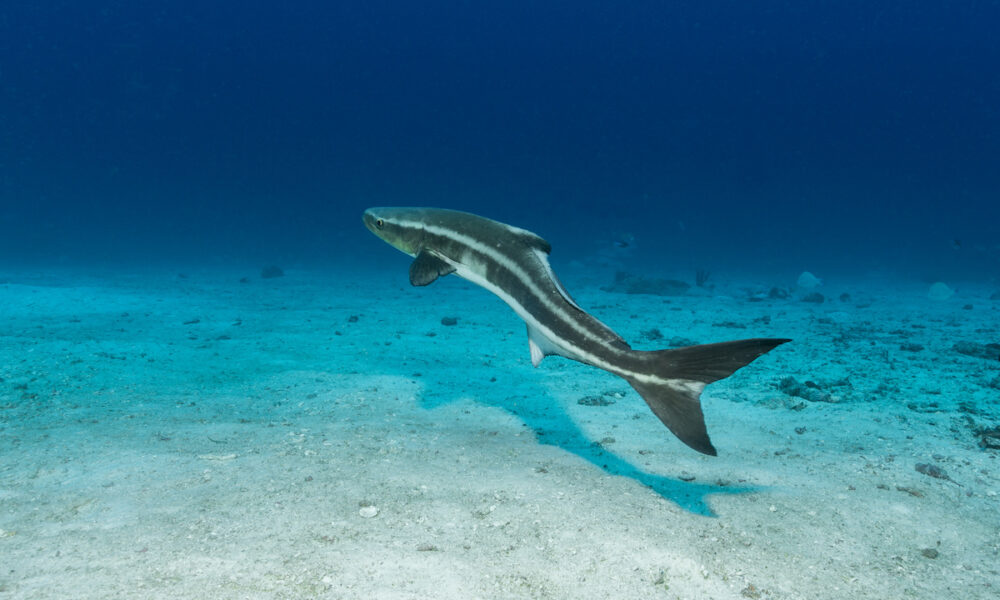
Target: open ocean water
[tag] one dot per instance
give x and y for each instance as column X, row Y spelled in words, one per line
column 215, row 382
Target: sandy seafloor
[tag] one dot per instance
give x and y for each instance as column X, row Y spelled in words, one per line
column 198, row 437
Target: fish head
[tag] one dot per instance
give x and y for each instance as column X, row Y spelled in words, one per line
column 401, row 228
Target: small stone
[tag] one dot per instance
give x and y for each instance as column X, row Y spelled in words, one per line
column 449, row 321
column 932, row 471
column 271, row 271
column 809, row 390
column 368, row 512
column 808, row 281
column 750, row 591
column 595, row 401
column 940, row 292
column 930, row 553
column 989, row 351
column 990, row 438
column 652, row 335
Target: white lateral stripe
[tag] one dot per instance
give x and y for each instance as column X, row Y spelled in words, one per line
column 514, row 268
column 475, row 276
column 559, row 286
column 681, row 385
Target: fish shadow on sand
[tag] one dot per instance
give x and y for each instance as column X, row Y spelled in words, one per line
column 554, row 427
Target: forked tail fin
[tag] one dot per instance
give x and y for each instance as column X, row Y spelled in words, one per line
column 684, row 373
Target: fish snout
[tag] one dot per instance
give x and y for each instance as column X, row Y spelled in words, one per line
column 373, row 222
column 397, row 227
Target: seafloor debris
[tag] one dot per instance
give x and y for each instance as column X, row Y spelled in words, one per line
column 810, row 390
column 652, row 335
column 449, row 321
column 989, row 437
column 595, row 401
column 933, row 471
column 626, row 283
column 808, row 281
column 940, row 292
column 911, row 491
column 759, row 295
column 988, row 351
column 271, row 271
column 606, row 398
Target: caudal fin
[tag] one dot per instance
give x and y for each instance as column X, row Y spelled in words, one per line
column 683, row 373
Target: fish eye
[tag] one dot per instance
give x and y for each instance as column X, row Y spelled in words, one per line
column 379, row 223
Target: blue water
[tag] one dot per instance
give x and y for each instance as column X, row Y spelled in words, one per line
column 844, row 137
column 174, row 425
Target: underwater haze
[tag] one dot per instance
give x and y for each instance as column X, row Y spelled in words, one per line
column 853, row 135
column 776, row 231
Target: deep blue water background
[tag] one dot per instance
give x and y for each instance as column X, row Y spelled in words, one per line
column 844, row 137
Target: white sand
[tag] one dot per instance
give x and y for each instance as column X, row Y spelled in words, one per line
column 142, row 457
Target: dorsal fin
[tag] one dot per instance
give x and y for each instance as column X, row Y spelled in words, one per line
column 609, row 334
column 539, row 243
column 532, row 240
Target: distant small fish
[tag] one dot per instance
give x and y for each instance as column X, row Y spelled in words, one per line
column 623, row 241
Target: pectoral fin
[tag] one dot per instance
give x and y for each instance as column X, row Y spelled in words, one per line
column 426, row 268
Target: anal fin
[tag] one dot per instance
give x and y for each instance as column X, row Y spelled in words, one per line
column 540, row 346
